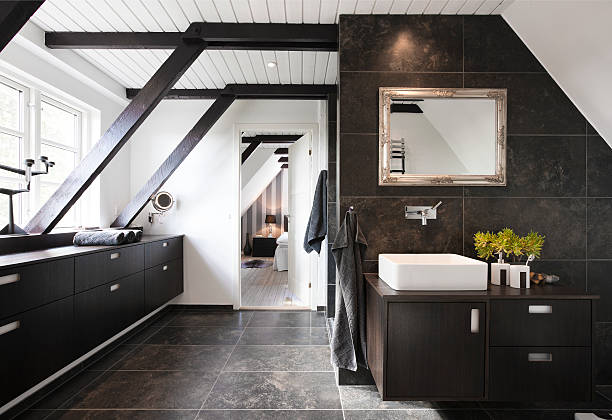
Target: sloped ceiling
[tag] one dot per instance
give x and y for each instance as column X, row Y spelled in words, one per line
column 571, row 39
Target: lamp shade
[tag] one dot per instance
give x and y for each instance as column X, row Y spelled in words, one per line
column 270, row 218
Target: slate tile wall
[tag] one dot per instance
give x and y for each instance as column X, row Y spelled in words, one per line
column 558, row 166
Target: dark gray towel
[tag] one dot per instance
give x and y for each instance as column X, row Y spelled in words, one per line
column 348, row 341
column 130, row 236
column 317, row 223
column 99, row 237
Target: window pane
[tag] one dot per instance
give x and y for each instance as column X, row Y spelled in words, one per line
column 10, row 152
column 46, row 190
column 4, row 202
column 9, row 107
column 57, row 124
column 64, row 163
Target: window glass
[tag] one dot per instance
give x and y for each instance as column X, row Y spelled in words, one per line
column 57, row 124
column 10, row 152
column 64, row 163
column 10, row 106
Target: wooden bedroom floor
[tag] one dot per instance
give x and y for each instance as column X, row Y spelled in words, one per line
column 266, row 287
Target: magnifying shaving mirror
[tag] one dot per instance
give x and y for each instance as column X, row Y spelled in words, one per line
column 162, row 202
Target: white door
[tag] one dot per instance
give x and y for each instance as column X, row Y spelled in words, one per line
column 299, row 212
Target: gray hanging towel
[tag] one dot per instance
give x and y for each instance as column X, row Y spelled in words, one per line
column 348, row 341
column 317, row 223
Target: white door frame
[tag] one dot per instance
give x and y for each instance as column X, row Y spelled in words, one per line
column 319, row 162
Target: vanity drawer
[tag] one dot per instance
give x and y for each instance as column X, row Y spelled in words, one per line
column 540, row 374
column 529, row 322
column 163, row 251
column 102, row 267
column 26, row 287
column 162, row 283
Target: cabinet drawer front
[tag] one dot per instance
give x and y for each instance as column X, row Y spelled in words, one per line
column 541, row 323
column 540, row 374
column 162, row 283
column 163, row 251
column 107, row 309
column 26, row 287
column 34, row 345
column 102, row 267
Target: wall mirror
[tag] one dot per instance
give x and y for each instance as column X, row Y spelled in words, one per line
column 442, row 136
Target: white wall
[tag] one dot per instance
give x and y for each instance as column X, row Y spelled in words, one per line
column 205, row 185
column 572, row 41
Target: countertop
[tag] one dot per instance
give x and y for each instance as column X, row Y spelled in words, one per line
column 10, row 260
column 493, row 292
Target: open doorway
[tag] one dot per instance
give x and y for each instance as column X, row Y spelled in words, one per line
column 276, row 183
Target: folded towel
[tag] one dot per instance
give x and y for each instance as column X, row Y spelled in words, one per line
column 99, row 237
column 317, row 223
column 130, row 236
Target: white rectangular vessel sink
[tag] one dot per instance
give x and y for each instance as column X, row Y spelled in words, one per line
column 432, row 272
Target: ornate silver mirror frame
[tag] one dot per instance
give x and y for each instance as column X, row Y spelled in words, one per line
column 387, row 178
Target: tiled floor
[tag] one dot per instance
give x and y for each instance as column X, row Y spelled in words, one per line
column 244, row 365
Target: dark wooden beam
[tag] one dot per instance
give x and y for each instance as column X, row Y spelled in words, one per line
column 173, row 161
column 218, row 36
column 13, row 15
column 317, row 92
column 283, row 159
column 281, row 151
column 114, row 139
column 249, row 150
column 285, row 166
column 272, row 138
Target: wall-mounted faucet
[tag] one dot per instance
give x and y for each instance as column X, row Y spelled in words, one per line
column 421, row 212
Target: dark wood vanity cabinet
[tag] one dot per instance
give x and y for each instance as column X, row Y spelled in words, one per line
column 503, row 344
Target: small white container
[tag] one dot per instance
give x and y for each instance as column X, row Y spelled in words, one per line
column 519, row 276
column 500, row 274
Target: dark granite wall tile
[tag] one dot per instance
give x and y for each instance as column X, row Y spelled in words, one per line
column 536, row 105
column 331, row 266
column 401, row 43
column 600, row 283
column 599, row 228
column 332, row 222
column 562, row 220
column 492, row 46
column 599, row 163
column 331, row 301
column 603, row 349
column 571, row 273
column 541, row 166
column 331, row 184
column 332, row 137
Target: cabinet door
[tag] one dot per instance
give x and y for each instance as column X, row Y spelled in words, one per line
column 435, row 350
column 162, row 283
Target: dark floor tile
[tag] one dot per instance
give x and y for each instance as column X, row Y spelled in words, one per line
column 490, row 45
column 401, row 43
column 387, row 231
column 164, row 317
column 145, row 390
column 30, row 415
column 280, row 319
column 598, row 403
column 195, row 336
column 532, row 414
column 561, row 220
column 162, row 357
column 59, row 395
column 237, row 319
column 270, row 415
column 123, row 415
column 279, row 358
column 599, row 163
column 317, row 319
column 600, row 283
column 415, row 415
column 561, row 174
column 571, row 274
column 599, row 229
column 536, row 104
column 274, row 390
column 284, row 336
column 602, row 352
column 361, row 376
column 366, row 397
column 109, row 359
column 140, row 335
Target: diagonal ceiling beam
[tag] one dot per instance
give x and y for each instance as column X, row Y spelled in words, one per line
column 243, row 91
column 173, row 161
column 283, row 159
column 115, row 138
column 13, row 15
column 281, row 151
column 218, row 36
column 249, row 150
column 272, row 138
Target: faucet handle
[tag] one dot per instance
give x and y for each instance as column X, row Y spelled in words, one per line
column 437, row 205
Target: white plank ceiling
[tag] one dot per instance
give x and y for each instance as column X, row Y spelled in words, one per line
column 215, row 69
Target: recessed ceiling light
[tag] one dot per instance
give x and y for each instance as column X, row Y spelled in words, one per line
column 271, row 64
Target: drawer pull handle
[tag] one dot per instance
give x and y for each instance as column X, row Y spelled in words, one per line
column 9, row 327
column 10, row 278
column 165, row 267
column 539, row 357
column 475, row 321
column 115, row 255
column 540, row 309
column 115, row 287
column 165, row 244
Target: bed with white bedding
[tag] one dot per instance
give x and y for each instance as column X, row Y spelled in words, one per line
column 281, row 255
